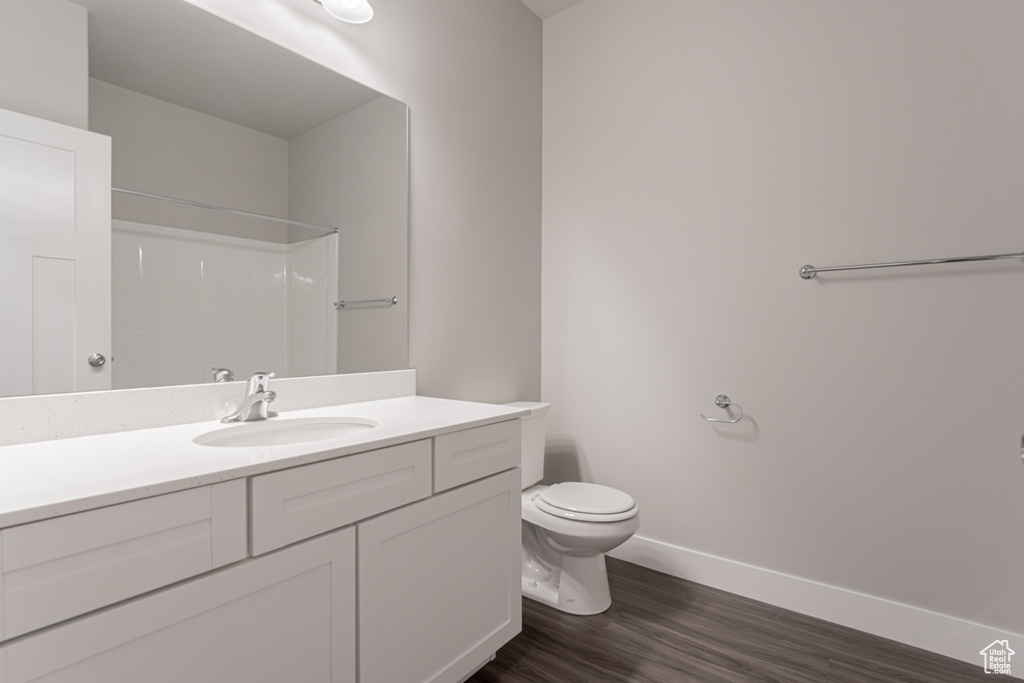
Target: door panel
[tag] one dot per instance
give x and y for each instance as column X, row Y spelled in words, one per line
column 54, row 256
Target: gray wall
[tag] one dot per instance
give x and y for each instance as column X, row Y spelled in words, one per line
column 352, row 172
column 470, row 72
column 43, row 60
column 172, row 151
column 696, row 154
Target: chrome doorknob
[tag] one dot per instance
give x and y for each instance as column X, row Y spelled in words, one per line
column 97, row 360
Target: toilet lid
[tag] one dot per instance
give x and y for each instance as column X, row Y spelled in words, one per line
column 587, row 499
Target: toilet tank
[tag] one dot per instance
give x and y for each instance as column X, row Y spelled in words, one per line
column 534, row 427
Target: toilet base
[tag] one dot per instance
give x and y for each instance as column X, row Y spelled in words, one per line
column 581, row 587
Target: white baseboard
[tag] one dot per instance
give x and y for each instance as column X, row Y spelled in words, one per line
column 939, row 633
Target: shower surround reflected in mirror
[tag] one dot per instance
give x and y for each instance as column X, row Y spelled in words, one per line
column 201, row 110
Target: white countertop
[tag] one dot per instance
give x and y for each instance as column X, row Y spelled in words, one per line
column 50, row 478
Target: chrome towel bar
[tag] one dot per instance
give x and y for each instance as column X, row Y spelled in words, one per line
column 391, row 302
column 807, row 272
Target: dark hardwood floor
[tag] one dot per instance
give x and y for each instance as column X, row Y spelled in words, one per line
column 667, row 630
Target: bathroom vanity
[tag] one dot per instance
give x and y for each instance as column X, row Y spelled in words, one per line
column 386, row 554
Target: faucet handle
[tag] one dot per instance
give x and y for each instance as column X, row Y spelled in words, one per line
column 258, row 382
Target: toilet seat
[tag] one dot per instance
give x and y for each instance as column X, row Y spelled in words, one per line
column 586, row 502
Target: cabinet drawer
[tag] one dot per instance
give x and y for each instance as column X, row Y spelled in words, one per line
column 294, row 504
column 473, row 454
column 60, row 568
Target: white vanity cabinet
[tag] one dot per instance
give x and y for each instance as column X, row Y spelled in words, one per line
column 365, row 567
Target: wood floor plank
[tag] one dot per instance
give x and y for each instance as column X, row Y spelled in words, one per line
column 661, row 629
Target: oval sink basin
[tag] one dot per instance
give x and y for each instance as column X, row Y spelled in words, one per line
column 278, row 432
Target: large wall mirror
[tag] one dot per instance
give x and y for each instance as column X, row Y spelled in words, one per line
column 213, row 129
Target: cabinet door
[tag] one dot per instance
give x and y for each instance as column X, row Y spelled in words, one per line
column 287, row 616
column 439, row 583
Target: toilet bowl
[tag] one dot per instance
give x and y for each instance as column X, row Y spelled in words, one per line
column 567, row 529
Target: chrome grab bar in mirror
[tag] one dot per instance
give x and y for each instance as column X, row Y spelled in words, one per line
column 391, row 302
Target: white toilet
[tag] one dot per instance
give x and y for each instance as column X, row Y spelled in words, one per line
column 567, row 529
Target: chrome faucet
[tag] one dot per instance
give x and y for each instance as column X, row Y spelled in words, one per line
column 223, row 375
column 256, row 403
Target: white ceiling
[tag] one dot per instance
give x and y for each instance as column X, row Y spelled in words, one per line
column 545, row 8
